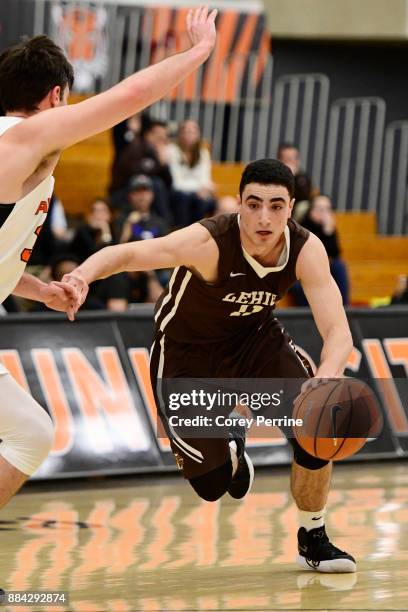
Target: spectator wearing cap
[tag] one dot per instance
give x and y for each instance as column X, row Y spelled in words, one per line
column 142, row 223
column 145, row 155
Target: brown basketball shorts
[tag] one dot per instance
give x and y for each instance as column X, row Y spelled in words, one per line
column 268, row 353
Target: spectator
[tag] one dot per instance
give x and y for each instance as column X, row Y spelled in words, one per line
column 400, row 295
column 141, row 223
column 126, row 132
column 95, row 233
column 226, row 205
column 148, row 156
column 110, row 293
column 289, row 155
column 321, row 221
column 190, row 166
column 59, row 224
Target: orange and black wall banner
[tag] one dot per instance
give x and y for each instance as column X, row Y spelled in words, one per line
column 93, row 378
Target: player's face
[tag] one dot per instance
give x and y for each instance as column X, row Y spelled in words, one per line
column 265, row 210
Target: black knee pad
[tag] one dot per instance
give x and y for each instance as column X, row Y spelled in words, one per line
column 303, row 458
column 212, row 485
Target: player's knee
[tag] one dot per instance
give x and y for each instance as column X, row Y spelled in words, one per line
column 214, row 484
column 306, row 460
column 45, row 433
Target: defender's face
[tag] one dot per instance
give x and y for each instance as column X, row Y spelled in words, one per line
column 264, row 210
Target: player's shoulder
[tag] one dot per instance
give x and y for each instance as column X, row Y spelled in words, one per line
column 221, row 225
column 298, row 230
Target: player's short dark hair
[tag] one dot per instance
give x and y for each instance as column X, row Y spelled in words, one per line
column 268, row 172
column 29, row 70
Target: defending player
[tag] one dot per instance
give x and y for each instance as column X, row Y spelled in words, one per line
column 212, row 323
column 35, row 79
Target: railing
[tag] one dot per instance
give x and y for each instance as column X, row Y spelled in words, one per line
column 243, row 114
column 393, row 209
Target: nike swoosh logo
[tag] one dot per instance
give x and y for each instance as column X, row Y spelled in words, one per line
column 237, row 274
column 316, row 518
column 334, row 411
column 303, row 548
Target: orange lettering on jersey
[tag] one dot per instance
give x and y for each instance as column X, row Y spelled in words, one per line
column 38, row 230
column 139, row 358
column 25, row 255
column 42, row 207
column 386, row 385
column 55, row 398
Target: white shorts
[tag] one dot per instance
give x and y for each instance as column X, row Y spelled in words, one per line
column 26, row 429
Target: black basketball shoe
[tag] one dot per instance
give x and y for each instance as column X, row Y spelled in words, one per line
column 317, row 553
column 244, row 476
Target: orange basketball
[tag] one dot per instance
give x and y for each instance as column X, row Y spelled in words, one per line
column 337, row 418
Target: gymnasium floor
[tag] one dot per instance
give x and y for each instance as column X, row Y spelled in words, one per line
column 137, row 544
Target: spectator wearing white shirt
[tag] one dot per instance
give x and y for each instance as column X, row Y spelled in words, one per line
column 190, row 166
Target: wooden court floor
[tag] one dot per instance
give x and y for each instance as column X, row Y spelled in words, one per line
column 138, row 544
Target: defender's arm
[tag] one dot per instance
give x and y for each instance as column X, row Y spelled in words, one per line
column 26, row 145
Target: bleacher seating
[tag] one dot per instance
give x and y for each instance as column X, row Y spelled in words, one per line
column 374, row 261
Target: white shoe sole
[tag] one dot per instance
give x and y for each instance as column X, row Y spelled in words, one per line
column 334, row 566
column 251, row 471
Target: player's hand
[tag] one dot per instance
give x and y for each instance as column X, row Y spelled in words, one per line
column 317, row 380
column 201, row 26
column 77, row 281
column 59, row 296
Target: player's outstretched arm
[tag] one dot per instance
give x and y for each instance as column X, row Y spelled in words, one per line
column 324, row 297
column 192, row 246
column 25, row 146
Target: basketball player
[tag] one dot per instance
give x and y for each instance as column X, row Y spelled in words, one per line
column 35, row 79
column 215, row 320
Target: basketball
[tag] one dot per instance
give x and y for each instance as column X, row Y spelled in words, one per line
column 337, row 418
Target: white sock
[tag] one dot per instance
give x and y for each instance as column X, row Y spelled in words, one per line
column 234, row 456
column 311, row 520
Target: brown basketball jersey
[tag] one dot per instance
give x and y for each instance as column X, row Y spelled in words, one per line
column 244, row 296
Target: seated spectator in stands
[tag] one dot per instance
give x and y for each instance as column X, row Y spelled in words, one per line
column 148, row 156
column 59, row 223
column 95, row 233
column 126, row 132
column 142, row 223
column 110, row 293
column 400, row 295
column 289, row 155
column 190, row 167
column 226, row 205
column 321, row 221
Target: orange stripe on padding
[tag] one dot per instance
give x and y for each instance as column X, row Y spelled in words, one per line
column 11, row 360
column 139, row 358
column 381, row 371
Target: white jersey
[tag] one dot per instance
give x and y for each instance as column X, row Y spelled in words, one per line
column 21, row 228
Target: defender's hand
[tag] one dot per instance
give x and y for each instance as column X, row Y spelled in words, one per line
column 77, row 281
column 59, row 296
column 201, row 26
